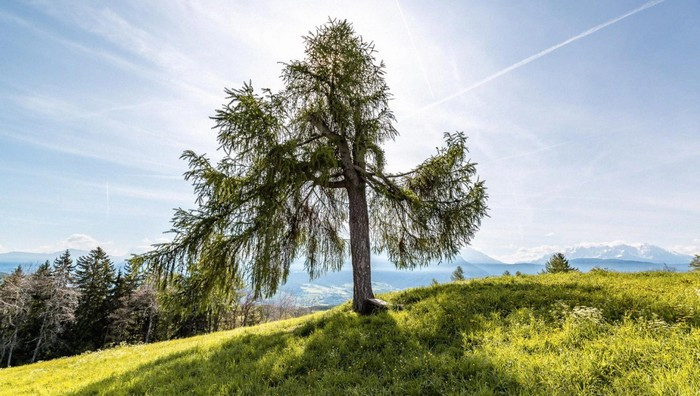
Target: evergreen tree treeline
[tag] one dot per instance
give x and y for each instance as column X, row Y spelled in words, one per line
column 68, row 307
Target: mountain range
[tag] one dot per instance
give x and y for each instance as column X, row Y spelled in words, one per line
column 642, row 252
column 586, row 254
column 29, row 260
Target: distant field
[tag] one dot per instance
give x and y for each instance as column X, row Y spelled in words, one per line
column 593, row 333
column 334, row 288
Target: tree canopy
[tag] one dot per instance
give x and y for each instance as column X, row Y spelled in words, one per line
column 458, row 274
column 303, row 169
column 558, row 263
column 695, row 263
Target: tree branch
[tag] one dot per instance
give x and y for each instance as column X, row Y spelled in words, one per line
column 342, row 145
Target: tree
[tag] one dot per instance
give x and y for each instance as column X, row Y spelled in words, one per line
column 133, row 319
column 188, row 309
column 123, row 317
column 458, row 274
column 15, row 302
column 558, row 263
column 95, row 279
column 58, row 300
column 695, row 263
column 303, row 168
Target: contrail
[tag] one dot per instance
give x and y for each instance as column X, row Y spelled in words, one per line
column 535, row 57
column 415, row 50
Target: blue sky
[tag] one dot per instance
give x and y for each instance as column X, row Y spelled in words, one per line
column 584, row 116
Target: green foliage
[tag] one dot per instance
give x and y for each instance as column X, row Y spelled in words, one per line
column 95, row 278
column 554, row 334
column 558, row 263
column 50, row 313
column 291, row 159
column 695, row 263
column 189, row 309
column 458, row 274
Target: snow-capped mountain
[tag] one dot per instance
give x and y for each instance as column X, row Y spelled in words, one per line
column 474, row 256
column 622, row 251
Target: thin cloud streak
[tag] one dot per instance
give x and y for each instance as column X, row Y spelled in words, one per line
column 534, row 57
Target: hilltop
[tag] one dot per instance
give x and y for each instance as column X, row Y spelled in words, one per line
column 594, row 333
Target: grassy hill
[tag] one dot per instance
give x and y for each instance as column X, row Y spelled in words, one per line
column 594, row 333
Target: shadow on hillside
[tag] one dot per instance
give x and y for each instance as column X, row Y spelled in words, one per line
column 338, row 354
column 345, row 353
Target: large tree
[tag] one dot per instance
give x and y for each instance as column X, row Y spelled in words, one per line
column 303, row 169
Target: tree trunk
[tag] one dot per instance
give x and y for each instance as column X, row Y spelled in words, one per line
column 42, row 330
column 360, row 249
column 150, row 323
column 12, row 346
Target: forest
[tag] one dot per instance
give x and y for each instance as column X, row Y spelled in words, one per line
column 72, row 306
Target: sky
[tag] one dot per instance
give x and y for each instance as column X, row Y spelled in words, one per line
column 583, row 116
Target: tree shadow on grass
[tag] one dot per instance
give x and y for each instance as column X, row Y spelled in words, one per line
column 342, row 353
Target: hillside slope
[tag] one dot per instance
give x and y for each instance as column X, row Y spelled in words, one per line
column 595, row 333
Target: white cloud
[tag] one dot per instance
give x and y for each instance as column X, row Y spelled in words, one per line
column 531, row 191
column 692, row 249
column 81, row 242
column 524, row 254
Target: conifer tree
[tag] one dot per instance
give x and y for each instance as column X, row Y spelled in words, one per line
column 303, row 169
column 95, row 278
column 63, row 270
column 58, row 301
column 123, row 306
column 133, row 319
column 695, row 263
column 41, row 286
column 558, row 263
column 458, row 274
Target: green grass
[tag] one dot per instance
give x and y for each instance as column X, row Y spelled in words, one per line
column 595, row 333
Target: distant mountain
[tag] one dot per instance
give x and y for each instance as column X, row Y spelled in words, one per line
column 643, row 252
column 29, row 261
column 474, row 256
column 468, row 256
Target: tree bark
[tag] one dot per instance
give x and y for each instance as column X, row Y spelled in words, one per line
column 360, row 248
column 150, row 323
column 38, row 341
column 12, row 346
